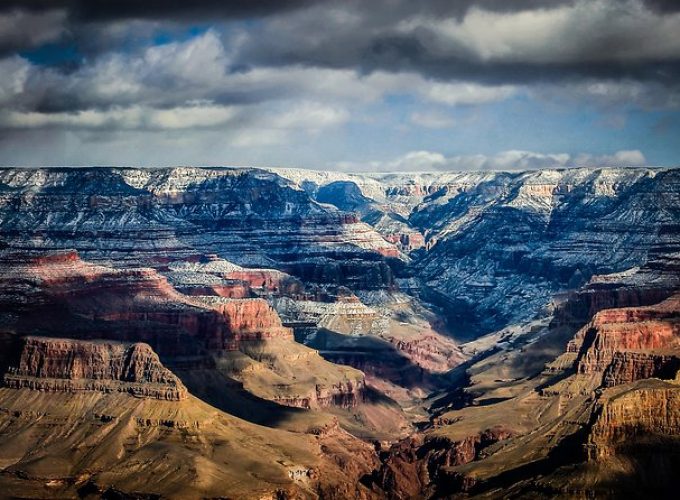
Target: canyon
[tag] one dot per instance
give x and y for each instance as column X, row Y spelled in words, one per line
column 281, row 333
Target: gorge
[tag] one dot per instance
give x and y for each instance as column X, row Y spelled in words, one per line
column 197, row 332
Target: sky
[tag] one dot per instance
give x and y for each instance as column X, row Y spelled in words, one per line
column 352, row 85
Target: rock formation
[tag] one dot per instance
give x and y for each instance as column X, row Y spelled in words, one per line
column 501, row 244
column 50, row 364
column 256, row 288
column 609, row 403
column 60, row 294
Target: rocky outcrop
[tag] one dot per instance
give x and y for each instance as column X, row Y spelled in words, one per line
column 140, row 302
column 626, row 417
column 431, row 352
column 627, row 367
column 343, row 394
column 250, row 319
column 499, row 244
column 68, row 365
column 533, row 241
column 648, row 284
column 416, row 467
column 647, row 329
column 63, row 295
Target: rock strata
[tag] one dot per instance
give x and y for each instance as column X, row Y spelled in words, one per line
column 68, row 365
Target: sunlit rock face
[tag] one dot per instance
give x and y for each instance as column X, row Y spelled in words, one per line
column 67, row 365
column 489, row 248
column 59, row 295
column 608, row 404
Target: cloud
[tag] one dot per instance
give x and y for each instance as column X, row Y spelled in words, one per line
column 20, row 29
column 608, row 94
column 484, row 41
column 432, row 119
column 103, row 10
column 488, row 41
column 15, row 73
column 179, row 74
column 468, row 93
column 428, row 161
column 130, row 118
column 585, row 32
column 244, row 74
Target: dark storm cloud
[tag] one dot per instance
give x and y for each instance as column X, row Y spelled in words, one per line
column 102, row 10
column 25, row 24
column 599, row 39
column 664, row 5
column 171, row 9
column 611, row 39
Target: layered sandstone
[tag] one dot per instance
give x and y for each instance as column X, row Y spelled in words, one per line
column 244, row 338
column 613, row 332
column 68, row 365
column 153, row 217
column 342, row 394
column 645, row 411
column 627, row 367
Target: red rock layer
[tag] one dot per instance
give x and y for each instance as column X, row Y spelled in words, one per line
column 249, row 320
column 627, row 367
column 143, row 304
column 267, row 280
column 406, row 241
column 651, row 284
column 68, row 365
column 650, row 328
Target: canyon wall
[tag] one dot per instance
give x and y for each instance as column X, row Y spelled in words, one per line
column 49, row 364
column 500, row 244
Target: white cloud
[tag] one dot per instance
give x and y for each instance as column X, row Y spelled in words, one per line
column 586, row 31
column 423, row 161
column 467, row 93
column 432, row 119
column 129, row 118
column 14, row 71
column 610, row 94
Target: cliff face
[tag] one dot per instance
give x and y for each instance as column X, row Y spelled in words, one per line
column 49, row 364
column 150, row 217
column 627, row 367
column 419, row 467
column 201, row 265
column 635, row 419
column 539, row 241
column 104, row 443
column 606, row 405
column 625, row 343
column 499, row 245
column 628, row 417
column 140, row 302
column 343, row 394
column 654, row 281
column 61, row 294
